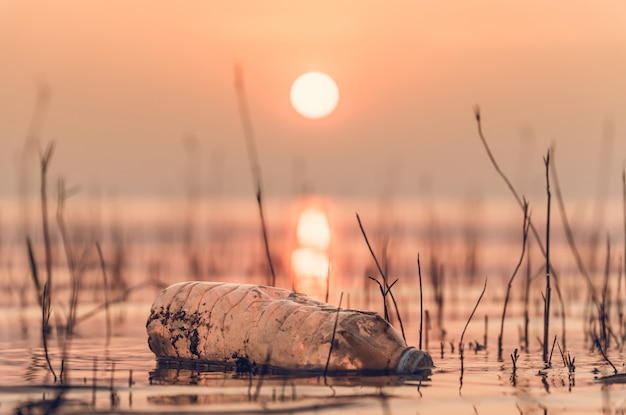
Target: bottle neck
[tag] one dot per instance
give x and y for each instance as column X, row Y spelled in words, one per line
column 413, row 361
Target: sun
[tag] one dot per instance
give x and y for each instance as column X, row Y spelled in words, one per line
column 314, row 95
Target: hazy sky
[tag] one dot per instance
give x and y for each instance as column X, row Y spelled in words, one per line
column 129, row 80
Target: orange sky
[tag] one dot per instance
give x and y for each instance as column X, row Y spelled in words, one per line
column 130, row 79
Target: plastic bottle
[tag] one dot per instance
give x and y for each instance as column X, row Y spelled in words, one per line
column 247, row 325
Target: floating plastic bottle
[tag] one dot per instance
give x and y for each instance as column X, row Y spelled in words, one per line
column 254, row 325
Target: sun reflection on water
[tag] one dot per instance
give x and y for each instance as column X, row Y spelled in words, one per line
column 310, row 257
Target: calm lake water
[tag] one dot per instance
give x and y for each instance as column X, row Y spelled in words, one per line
column 148, row 244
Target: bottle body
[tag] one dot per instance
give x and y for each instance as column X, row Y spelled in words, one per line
column 229, row 323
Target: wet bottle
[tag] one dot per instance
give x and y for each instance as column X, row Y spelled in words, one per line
column 229, row 323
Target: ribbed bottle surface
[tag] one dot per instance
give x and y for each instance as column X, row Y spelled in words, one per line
column 230, row 323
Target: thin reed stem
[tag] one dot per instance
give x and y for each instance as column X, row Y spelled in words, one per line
column 604, row 356
column 75, row 266
column 569, row 235
column 45, row 158
column 525, row 227
column 472, row 314
column 527, row 303
column 485, row 335
column 437, row 279
column 551, row 352
column 461, row 346
column 34, row 271
column 385, row 281
column 31, row 141
column 561, row 352
column 620, row 304
column 332, row 339
column 253, row 159
column 419, row 273
column 548, row 294
column 123, row 296
column 493, row 159
column 44, row 302
column 94, row 381
column 106, row 293
column 605, row 302
column 383, row 293
column 514, row 357
column 623, row 268
column 45, row 320
column 369, row 246
column 46, row 298
column 521, row 205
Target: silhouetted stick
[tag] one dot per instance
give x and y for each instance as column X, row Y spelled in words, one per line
column 493, row 160
column 546, row 314
column 123, row 296
column 253, row 158
column 599, row 346
column 485, row 336
column 623, row 266
column 106, row 293
column 514, row 357
column 46, row 299
column 473, row 311
column 602, row 190
column 521, row 205
column 525, row 226
column 44, row 162
column 45, row 319
column 461, row 346
column 605, row 304
column 526, row 302
column 383, row 294
column 549, row 364
column 620, row 304
column 94, row 381
column 31, row 142
column 44, row 302
column 33, row 269
column 569, row 235
column 437, row 280
column 419, row 273
column 562, row 354
column 112, row 394
column 395, row 305
column 385, row 281
column 369, row 246
column 332, row 339
column 72, row 263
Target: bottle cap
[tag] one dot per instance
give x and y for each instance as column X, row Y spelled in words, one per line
column 413, row 361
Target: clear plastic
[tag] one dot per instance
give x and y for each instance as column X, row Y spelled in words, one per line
column 252, row 325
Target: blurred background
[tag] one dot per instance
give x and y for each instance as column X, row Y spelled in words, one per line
column 140, row 91
column 139, row 99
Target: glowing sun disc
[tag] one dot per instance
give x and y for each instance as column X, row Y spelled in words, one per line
column 313, row 229
column 314, row 95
